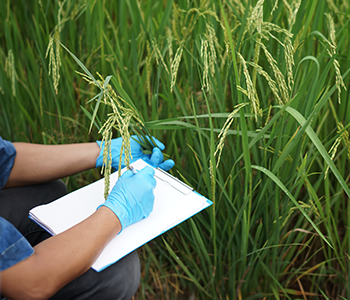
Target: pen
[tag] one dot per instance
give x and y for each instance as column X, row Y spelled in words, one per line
column 132, row 169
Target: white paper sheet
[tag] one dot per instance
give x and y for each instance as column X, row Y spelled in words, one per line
column 173, row 204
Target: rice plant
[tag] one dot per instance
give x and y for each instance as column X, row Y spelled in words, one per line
column 250, row 99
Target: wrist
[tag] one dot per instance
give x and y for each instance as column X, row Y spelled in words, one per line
column 111, row 217
column 95, row 148
column 99, row 157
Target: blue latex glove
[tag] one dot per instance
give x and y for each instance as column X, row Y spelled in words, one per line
column 132, row 198
column 155, row 159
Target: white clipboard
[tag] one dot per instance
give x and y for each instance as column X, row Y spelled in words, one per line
column 174, row 203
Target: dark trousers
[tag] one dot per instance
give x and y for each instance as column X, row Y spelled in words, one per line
column 119, row 281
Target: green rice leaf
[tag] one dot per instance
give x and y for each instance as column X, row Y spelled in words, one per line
column 274, row 178
column 318, row 144
column 187, row 271
column 81, row 65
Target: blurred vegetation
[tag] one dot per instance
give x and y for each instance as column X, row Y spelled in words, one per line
column 251, row 100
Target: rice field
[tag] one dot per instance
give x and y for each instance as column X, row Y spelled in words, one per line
column 251, row 100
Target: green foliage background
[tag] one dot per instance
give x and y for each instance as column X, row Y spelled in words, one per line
column 279, row 225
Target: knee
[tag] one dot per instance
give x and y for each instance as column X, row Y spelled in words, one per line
column 54, row 189
column 119, row 281
column 127, row 274
column 59, row 187
column 134, row 275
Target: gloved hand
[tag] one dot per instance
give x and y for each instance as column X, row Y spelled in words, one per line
column 132, row 198
column 155, row 159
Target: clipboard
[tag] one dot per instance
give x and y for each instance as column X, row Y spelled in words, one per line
column 174, row 203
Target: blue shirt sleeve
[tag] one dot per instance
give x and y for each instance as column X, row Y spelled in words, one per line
column 7, row 159
column 13, row 246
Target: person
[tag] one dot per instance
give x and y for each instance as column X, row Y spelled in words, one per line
column 34, row 265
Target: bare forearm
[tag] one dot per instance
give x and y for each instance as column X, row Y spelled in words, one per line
column 62, row 258
column 41, row 163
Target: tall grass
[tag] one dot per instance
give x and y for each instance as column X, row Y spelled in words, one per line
column 250, row 99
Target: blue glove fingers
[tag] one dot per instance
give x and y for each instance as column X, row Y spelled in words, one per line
column 148, row 174
column 156, row 157
column 127, row 174
column 167, row 165
column 159, row 144
column 147, row 170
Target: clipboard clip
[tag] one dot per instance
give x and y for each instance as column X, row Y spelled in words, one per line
column 174, row 182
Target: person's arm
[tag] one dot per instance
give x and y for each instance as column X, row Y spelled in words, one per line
column 36, row 163
column 61, row 258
